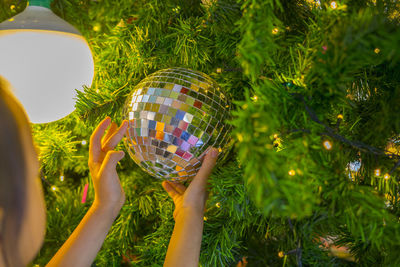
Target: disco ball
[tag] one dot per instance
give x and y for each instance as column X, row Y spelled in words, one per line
column 174, row 116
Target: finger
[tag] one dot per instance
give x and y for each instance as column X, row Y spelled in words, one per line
column 109, row 133
column 170, row 190
column 95, row 139
column 110, row 161
column 180, row 188
column 200, row 180
column 114, row 139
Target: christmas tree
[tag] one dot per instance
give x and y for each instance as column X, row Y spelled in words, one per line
column 315, row 166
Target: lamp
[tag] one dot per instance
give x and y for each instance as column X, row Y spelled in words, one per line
column 45, row 59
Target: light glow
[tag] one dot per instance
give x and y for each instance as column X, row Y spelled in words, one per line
column 327, row 145
column 386, row 176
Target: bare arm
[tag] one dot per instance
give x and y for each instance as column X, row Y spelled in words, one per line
column 185, row 243
column 82, row 246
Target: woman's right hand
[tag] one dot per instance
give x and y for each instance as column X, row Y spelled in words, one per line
column 193, row 198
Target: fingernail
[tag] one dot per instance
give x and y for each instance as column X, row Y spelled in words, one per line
column 214, row 152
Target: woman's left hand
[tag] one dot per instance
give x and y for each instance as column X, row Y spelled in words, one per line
column 103, row 160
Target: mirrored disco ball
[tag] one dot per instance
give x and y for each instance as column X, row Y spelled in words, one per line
column 174, row 116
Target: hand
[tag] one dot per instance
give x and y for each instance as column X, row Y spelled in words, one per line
column 193, row 198
column 102, row 164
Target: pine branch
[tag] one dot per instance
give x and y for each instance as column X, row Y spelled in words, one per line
column 331, row 132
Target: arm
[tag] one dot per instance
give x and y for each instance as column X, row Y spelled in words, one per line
column 185, row 243
column 82, row 246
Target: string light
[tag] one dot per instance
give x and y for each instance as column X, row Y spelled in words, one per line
column 292, row 172
column 333, row 5
column 84, row 142
column 219, row 70
column 240, row 137
column 327, row 145
column 54, row 188
column 386, row 176
column 219, row 149
column 96, row 27
column 205, row 218
column 281, row 254
column 218, row 205
column 275, row 30
column 12, row 7
column 377, row 172
column 377, row 50
column 62, row 178
column 340, row 117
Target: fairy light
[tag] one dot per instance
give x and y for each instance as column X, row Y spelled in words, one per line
column 327, row 145
column 240, row 137
column 54, row 188
column 96, row 27
column 254, row 98
column 219, row 70
column 377, row 50
column 281, row 254
column 84, row 142
column 377, row 172
column 62, row 178
column 205, row 218
column 386, row 176
column 218, row 205
column 340, row 117
column 12, row 7
column 275, row 30
column 292, row 172
column 219, row 149
column 333, row 5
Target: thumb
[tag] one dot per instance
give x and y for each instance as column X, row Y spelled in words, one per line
column 111, row 160
column 206, row 168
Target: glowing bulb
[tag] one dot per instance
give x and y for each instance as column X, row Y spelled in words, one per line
column 377, row 172
column 96, row 27
column 218, row 205
column 377, row 50
column 275, row 31
column 327, row 145
column 53, row 188
column 340, row 116
column 45, row 59
column 255, row 98
column 62, row 178
column 205, row 218
column 84, row 142
column 333, row 5
column 292, row 172
column 219, row 70
column 281, row 254
column 386, row 176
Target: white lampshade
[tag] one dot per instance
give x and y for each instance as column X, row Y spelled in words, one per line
column 45, row 59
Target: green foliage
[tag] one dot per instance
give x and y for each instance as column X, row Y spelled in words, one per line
column 300, row 73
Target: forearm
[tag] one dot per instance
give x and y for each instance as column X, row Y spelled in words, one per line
column 185, row 243
column 82, row 246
